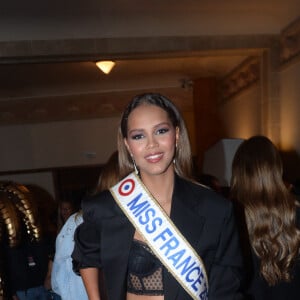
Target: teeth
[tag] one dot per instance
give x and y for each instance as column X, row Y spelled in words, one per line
column 154, row 156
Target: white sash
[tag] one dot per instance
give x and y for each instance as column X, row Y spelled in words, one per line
column 162, row 236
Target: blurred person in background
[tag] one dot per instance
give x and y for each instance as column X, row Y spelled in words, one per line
column 64, row 281
column 271, row 216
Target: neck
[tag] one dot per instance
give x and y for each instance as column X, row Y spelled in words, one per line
column 160, row 186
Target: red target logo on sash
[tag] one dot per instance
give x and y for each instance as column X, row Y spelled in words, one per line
column 126, row 187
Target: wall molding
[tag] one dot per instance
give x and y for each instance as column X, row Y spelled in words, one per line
column 290, row 43
column 240, row 79
column 124, row 48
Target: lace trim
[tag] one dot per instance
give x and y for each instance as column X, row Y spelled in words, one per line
column 145, row 271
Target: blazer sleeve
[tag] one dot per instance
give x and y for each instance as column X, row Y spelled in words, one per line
column 87, row 238
column 226, row 274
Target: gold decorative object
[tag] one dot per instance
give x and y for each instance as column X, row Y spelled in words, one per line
column 15, row 202
column 16, row 210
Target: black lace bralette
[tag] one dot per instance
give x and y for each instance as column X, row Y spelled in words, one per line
column 145, row 271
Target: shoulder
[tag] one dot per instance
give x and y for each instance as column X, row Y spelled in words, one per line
column 201, row 196
column 197, row 191
column 101, row 205
column 72, row 222
column 96, row 199
column 65, row 235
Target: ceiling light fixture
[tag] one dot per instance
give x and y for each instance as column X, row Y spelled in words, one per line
column 105, row 65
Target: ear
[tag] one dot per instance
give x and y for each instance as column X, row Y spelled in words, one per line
column 126, row 145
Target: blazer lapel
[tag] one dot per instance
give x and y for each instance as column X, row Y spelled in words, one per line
column 187, row 219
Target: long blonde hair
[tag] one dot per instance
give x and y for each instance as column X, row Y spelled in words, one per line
column 110, row 173
column 270, row 209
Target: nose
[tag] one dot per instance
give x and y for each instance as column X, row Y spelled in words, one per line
column 152, row 142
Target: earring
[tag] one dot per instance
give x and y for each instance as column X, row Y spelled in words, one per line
column 134, row 165
column 174, row 159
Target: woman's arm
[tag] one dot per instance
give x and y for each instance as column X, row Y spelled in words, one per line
column 47, row 281
column 90, row 277
column 86, row 254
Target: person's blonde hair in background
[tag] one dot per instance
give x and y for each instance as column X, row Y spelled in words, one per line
column 110, row 174
column 269, row 207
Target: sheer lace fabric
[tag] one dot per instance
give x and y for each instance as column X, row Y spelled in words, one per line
column 145, row 271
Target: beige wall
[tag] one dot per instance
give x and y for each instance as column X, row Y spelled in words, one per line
column 290, row 120
column 57, row 144
column 241, row 115
column 41, row 179
column 290, row 108
column 36, row 146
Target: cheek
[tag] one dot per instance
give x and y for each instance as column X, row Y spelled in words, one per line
column 170, row 142
column 135, row 147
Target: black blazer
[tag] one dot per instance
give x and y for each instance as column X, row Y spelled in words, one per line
column 206, row 220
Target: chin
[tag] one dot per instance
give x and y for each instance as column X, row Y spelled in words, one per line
column 158, row 171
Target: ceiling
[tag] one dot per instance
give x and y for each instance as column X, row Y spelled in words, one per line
column 43, row 89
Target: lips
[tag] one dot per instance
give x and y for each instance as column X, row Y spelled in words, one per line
column 154, row 157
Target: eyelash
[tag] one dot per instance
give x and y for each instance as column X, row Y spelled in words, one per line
column 162, row 130
column 158, row 132
column 137, row 137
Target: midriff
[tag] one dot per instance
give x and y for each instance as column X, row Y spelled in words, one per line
column 142, row 297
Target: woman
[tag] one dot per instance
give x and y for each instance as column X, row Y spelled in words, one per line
column 271, row 217
column 153, row 141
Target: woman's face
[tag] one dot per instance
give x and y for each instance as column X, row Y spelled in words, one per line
column 151, row 139
column 66, row 209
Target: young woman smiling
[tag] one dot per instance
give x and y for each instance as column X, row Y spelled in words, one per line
column 153, row 142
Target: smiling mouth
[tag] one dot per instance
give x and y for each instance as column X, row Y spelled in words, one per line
column 154, row 157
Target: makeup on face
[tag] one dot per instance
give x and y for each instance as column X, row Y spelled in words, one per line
column 151, row 138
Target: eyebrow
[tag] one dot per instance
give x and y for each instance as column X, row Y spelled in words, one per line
column 141, row 129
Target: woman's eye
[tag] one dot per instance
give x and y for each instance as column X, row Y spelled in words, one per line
column 162, row 130
column 137, row 136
